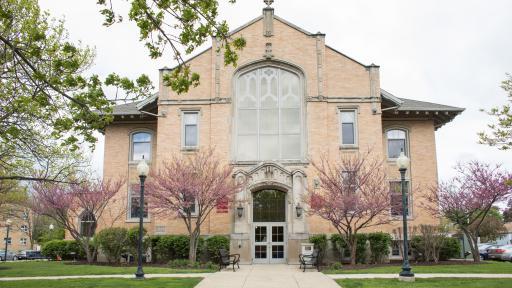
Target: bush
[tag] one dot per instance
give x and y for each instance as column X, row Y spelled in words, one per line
column 133, row 240
column 113, row 243
column 379, row 245
column 171, row 247
column 336, row 266
column 213, row 245
column 54, row 249
column 450, row 249
column 320, row 242
column 63, row 249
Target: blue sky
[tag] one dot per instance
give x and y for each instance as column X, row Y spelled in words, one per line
column 452, row 52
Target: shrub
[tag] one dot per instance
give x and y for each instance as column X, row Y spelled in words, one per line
column 113, row 243
column 214, row 244
column 450, row 249
column 171, row 247
column 336, row 266
column 320, row 241
column 379, row 245
column 54, row 249
column 182, row 263
column 133, row 240
column 74, row 251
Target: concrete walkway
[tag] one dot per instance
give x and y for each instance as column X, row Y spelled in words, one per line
column 268, row 276
column 432, row 275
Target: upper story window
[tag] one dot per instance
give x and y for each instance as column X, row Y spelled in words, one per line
column 24, row 228
column 348, row 128
column 269, row 115
column 189, row 129
column 397, row 142
column 141, row 146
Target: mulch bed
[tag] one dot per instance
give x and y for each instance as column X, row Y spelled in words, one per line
column 399, row 263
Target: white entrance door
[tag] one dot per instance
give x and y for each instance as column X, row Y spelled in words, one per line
column 269, row 243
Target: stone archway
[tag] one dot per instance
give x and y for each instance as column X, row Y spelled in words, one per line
column 288, row 229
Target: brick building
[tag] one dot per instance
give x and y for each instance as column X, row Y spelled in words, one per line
column 290, row 99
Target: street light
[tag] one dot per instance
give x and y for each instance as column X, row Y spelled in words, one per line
column 403, row 163
column 142, row 169
column 8, row 225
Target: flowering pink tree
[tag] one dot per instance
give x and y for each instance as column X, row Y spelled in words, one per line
column 353, row 195
column 77, row 207
column 465, row 200
column 190, row 187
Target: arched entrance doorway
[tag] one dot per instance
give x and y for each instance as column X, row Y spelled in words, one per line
column 269, row 226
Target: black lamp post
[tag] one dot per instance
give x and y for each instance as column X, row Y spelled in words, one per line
column 143, row 170
column 403, row 163
column 8, row 225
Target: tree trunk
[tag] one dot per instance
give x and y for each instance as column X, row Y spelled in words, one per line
column 192, row 251
column 353, row 247
column 473, row 245
column 88, row 254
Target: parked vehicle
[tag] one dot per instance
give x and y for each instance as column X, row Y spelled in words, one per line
column 501, row 252
column 483, row 249
column 10, row 255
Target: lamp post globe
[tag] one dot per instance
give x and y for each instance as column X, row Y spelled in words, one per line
column 143, row 170
column 51, row 227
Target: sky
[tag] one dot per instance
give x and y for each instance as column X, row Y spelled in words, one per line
column 449, row 52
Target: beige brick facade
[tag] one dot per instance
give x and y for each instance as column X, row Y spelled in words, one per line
column 332, row 81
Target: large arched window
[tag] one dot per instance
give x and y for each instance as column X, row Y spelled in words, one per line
column 269, row 115
column 141, row 146
column 87, row 224
column 397, row 142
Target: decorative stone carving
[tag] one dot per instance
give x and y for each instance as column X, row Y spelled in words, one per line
column 268, row 51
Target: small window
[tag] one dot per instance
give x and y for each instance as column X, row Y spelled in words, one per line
column 160, row 229
column 24, row 228
column 397, row 140
column 395, row 248
column 23, row 241
column 9, row 240
column 396, row 198
column 190, row 133
column 87, row 224
column 134, row 196
column 141, row 146
column 348, row 127
column 192, row 208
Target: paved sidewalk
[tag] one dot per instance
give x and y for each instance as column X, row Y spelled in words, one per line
column 179, row 275
column 433, row 275
column 268, row 276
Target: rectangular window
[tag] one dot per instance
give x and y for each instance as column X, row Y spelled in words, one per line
column 160, row 230
column 396, row 198
column 135, row 202
column 192, row 208
column 349, row 181
column 348, row 127
column 23, row 241
column 190, row 131
column 9, row 240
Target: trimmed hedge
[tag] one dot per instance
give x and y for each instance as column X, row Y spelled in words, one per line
column 174, row 247
column 63, row 249
column 451, row 249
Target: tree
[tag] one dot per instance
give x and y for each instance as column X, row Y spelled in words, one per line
column 501, row 131
column 507, row 213
column 353, row 195
column 190, row 187
column 466, row 199
column 76, row 207
column 181, row 26
column 48, row 103
column 492, row 226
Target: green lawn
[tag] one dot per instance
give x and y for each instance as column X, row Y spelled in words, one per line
column 50, row 268
column 425, row 283
column 104, row 283
column 484, row 267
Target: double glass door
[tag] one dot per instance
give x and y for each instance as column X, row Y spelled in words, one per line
column 269, row 243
